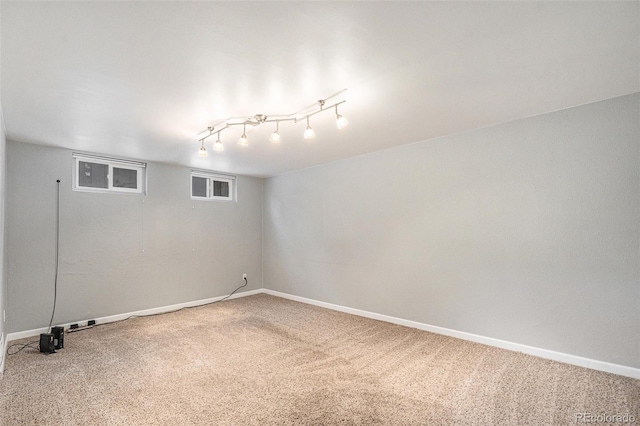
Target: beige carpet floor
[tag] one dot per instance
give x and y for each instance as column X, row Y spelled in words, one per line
column 263, row 360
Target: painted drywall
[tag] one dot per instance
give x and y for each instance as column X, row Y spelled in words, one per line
column 3, row 252
column 526, row 232
column 121, row 252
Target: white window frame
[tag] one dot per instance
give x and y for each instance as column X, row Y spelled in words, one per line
column 211, row 176
column 207, row 192
column 112, row 163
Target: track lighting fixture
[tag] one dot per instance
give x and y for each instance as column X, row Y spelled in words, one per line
column 275, row 136
column 258, row 119
column 309, row 133
column 243, row 139
column 341, row 121
column 202, row 152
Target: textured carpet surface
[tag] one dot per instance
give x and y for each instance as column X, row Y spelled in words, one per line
column 263, row 360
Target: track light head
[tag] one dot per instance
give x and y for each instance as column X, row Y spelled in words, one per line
column 342, row 122
column 243, row 139
column 275, row 136
column 202, row 152
column 309, row 133
column 217, row 145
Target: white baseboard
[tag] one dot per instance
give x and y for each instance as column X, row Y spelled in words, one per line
column 3, row 345
column 119, row 317
column 621, row 370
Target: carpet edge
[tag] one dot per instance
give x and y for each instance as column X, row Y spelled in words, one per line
column 119, row 317
column 579, row 361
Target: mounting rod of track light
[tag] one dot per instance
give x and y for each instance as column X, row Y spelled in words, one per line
column 301, row 115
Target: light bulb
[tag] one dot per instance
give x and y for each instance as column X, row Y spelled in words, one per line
column 341, row 122
column 217, row 145
column 243, row 139
column 202, row 152
column 275, row 136
column 309, row 133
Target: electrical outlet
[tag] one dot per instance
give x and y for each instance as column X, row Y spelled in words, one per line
column 244, row 276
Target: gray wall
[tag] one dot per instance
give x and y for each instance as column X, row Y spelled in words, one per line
column 3, row 252
column 192, row 249
column 526, row 231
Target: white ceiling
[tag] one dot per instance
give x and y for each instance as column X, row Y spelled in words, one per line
column 142, row 79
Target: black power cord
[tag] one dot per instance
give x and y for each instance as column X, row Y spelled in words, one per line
column 30, row 344
column 55, row 291
column 23, row 346
column 231, row 294
column 161, row 313
column 55, row 281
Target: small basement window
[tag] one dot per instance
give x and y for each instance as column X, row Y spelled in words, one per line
column 102, row 174
column 212, row 186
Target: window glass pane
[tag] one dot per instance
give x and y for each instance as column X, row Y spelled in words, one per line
column 198, row 186
column 93, row 175
column 125, row 178
column 220, row 188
